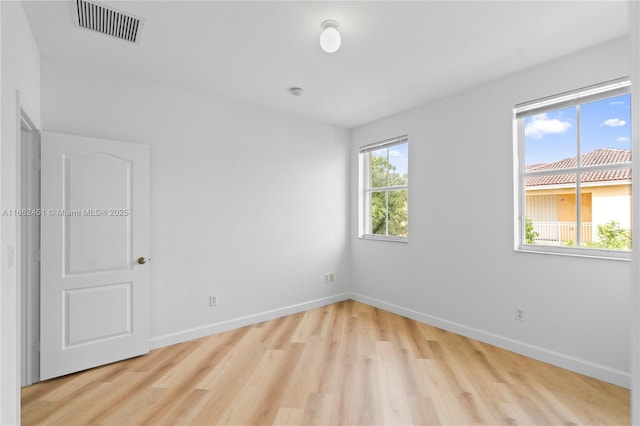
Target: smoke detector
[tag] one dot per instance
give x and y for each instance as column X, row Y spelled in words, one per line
column 105, row 19
column 295, row 91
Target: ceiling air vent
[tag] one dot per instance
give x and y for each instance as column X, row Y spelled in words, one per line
column 107, row 20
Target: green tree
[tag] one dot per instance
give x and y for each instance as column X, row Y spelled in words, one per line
column 611, row 236
column 384, row 174
column 530, row 233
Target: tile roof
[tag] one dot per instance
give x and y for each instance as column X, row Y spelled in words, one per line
column 594, row 158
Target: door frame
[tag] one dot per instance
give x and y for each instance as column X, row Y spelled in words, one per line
column 29, row 293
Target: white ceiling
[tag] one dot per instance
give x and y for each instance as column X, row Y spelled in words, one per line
column 394, row 55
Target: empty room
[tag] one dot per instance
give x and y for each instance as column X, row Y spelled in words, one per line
column 319, row 212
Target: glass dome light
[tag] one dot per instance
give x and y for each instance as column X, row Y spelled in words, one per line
column 330, row 39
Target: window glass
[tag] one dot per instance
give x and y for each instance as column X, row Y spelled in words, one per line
column 575, row 180
column 550, row 138
column 378, row 168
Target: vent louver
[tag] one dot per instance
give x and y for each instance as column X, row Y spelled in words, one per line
column 107, row 20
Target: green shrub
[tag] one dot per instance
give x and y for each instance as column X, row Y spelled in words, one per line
column 612, row 237
column 530, row 233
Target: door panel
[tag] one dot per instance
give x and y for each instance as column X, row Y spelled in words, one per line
column 111, row 303
column 95, row 223
column 95, row 242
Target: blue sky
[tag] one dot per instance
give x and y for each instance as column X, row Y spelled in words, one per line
column 398, row 156
column 603, row 124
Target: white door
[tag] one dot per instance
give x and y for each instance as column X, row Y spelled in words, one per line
column 94, row 249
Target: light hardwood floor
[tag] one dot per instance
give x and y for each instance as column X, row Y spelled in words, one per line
column 343, row 364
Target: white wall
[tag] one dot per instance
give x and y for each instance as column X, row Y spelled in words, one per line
column 246, row 204
column 459, row 270
column 20, row 62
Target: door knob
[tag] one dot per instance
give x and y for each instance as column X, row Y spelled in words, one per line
column 142, row 260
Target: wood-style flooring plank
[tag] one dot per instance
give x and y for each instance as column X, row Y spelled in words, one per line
column 342, row 364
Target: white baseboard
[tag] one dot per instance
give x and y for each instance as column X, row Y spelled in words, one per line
column 601, row 372
column 219, row 327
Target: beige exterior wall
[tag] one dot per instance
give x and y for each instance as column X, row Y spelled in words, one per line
column 612, row 203
column 600, row 204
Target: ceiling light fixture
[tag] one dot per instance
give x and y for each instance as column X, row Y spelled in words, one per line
column 330, row 37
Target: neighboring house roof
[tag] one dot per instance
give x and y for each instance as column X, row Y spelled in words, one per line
column 594, row 158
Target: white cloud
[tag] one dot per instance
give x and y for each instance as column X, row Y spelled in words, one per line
column 394, row 153
column 616, row 103
column 622, row 139
column 613, row 122
column 541, row 124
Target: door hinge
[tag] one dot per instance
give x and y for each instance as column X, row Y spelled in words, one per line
column 36, row 255
column 36, row 346
column 37, row 165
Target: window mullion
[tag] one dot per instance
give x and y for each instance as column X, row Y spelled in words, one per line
column 388, row 167
column 578, row 178
column 386, row 212
column 389, row 188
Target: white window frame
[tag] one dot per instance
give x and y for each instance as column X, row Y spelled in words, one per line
column 577, row 97
column 365, row 191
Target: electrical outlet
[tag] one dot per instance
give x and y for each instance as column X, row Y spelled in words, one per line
column 329, row 277
column 519, row 313
column 213, row 300
column 332, row 277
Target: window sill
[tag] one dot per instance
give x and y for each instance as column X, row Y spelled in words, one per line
column 384, row 238
column 576, row 252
